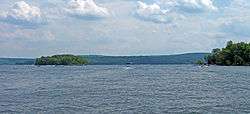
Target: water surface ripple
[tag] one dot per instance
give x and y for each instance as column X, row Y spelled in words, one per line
column 122, row 89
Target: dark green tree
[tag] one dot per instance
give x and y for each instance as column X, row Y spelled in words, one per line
column 61, row 60
column 233, row 54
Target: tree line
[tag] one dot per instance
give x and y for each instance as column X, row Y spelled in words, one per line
column 234, row 54
column 61, row 60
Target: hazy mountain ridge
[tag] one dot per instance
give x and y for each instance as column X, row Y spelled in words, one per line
column 189, row 58
column 16, row 61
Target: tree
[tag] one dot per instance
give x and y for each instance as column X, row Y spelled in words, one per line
column 200, row 62
column 61, row 60
column 232, row 54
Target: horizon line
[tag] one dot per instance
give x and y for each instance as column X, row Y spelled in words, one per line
column 107, row 55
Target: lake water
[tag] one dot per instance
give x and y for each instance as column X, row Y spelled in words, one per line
column 121, row 89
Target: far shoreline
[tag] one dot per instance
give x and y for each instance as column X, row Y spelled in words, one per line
column 187, row 58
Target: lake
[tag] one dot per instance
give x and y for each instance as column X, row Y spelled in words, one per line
column 121, row 89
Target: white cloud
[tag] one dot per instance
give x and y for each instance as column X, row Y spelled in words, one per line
column 165, row 11
column 153, row 9
column 13, row 32
column 86, row 9
column 151, row 12
column 156, row 13
column 197, row 4
column 236, row 28
column 24, row 14
column 190, row 6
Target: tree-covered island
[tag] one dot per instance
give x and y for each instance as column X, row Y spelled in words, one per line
column 234, row 54
column 61, row 60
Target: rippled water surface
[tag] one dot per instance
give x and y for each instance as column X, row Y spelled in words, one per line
column 122, row 89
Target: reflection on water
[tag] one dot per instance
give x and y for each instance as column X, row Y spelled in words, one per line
column 124, row 89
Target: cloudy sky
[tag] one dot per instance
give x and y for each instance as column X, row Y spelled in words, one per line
column 31, row 28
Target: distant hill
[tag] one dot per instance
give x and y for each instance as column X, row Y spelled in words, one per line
column 189, row 58
column 16, row 61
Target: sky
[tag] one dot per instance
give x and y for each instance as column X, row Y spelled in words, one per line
column 32, row 28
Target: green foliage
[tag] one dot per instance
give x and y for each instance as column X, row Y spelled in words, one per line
column 236, row 54
column 200, row 62
column 61, row 60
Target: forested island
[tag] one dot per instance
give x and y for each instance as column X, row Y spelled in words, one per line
column 234, row 54
column 61, row 60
